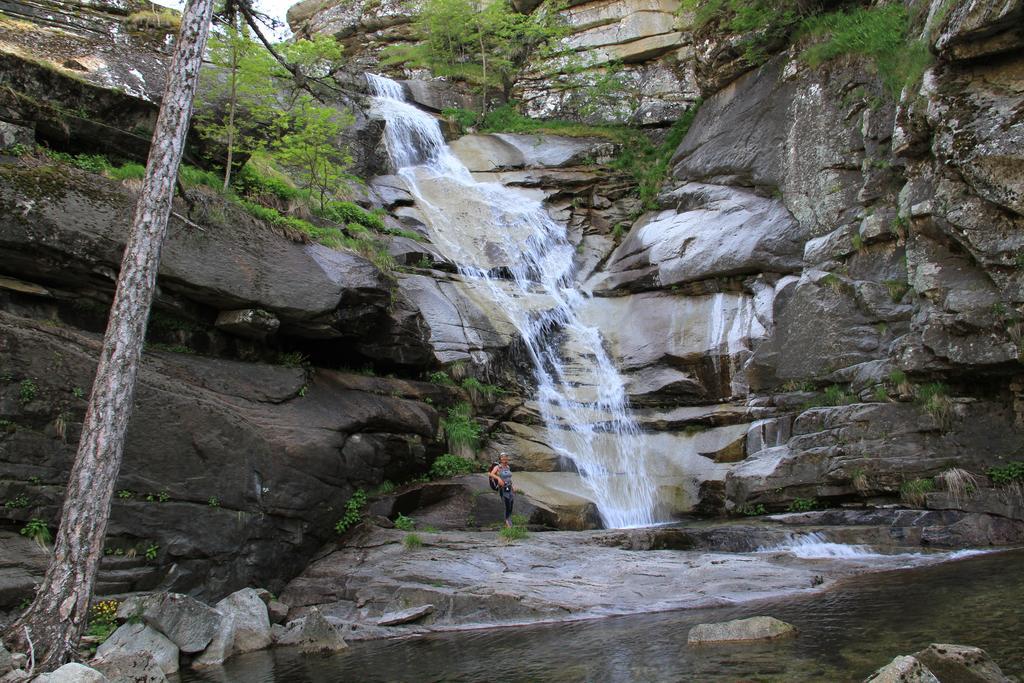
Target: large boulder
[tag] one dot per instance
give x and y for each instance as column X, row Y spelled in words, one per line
column 138, row 638
column 313, row 634
column 138, row 667
column 960, row 663
column 903, row 669
column 72, row 673
column 185, row 621
column 244, row 626
column 713, row 231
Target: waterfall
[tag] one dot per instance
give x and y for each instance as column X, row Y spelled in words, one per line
column 512, row 251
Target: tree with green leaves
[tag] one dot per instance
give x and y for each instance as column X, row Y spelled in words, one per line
column 309, row 147
column 238, row 104
column 483, row 43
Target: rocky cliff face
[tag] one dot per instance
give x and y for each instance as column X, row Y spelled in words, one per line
column 820, row 258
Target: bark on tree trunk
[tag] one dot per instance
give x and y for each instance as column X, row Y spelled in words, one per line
column 56, row 618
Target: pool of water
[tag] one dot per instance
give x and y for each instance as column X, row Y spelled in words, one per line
column 844, row 634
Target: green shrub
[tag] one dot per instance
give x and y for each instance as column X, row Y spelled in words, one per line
column 102, row 620
column 37, row 530
column 934, row 399
column 152, row 550
column 449, row 465
column 385, row 488
column 163, row 20
column 249, row 181
column 129, row 171
column 18, row 502
column 404, row 523
column 27, row 391
column 1010, row 473
column 463, row 118
column 752, row 510
column 191, row 176
column 514, row 533
column 412, row 541
column 460, row 428
column 897, row 289
column 914, row 492
column 347, row 212
column 488, row 391
column 803, row 505
column 353, row 512
column 835, row 395
column 441, row 378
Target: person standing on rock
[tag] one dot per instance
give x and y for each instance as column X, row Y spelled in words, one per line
column 502, row 476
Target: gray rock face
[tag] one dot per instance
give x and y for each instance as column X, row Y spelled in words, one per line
column 752, row 628
column 72, row 673
column 405, row 616
column 980, row 28
column 642, row 34
column 437, row 94
column 962, row 663
column 443, row 320
column 903, row 669
column 315, row 291
column 276, row 501
column 502, row 151
column 277, row 611
column 986, row 150
column 130, row 640
column 12, row 135
column 252, row 323
column 188, row 623
column 755, row 105
column 714, row 231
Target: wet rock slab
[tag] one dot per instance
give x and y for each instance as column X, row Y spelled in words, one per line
column 476, row 579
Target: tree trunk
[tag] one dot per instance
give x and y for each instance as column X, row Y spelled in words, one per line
column 232, row 105
column 55, row 620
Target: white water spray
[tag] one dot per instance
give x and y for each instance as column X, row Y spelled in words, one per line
column 489, row 229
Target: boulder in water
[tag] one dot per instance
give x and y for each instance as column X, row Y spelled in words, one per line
column 960, row 663
column 903, row 669
column 313, row 633
column 753, row 628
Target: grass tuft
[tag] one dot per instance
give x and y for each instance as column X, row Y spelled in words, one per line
column 915, row 491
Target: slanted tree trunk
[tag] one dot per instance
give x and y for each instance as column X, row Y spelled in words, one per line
column 55, row 620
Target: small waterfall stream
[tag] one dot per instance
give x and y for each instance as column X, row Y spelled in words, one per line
column 507, row 245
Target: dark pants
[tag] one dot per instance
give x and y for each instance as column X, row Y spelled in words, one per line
column 507, row 498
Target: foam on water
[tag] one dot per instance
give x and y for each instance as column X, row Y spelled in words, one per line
column 816, row 546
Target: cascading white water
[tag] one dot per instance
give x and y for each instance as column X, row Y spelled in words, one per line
column 590, row 425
